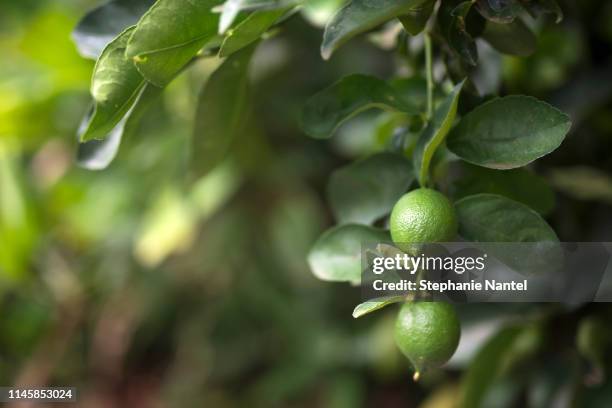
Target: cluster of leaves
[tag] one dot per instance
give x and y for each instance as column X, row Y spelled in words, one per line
column 141, row 47
column 496, row 198
column 145, row 46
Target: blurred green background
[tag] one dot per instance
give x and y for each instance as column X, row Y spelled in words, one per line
column 144, row 289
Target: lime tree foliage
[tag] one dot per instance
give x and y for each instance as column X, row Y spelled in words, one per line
column 439, row 116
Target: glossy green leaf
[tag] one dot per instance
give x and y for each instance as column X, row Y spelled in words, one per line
column 493, row 218
column 98, row 154
column 370, row 306
column 102, row 24
column 518, row 184
column 499, row 11
column 221, row 110
column 328, row 109
column 336, row 256
column 116, row 84
column 486, row 367
column 249, row 30
column 319, row 12
column 169, row 35
column 513, row 39
column 509, row 132
column 231, row 8
column 366, row 190
column 415, row 20
column 435, row 133
column 359, row 16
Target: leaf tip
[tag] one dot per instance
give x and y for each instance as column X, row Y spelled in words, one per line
column 326, row 53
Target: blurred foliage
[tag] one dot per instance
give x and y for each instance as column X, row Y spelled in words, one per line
column 144, row 288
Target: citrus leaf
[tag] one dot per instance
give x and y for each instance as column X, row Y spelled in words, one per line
column 98, row 154
column 490, row 219
column 370, row 306
column 359, row 16
column 231, row 8
column 102, row 24
column 493, row 218
column 499, row 11
column 435, row 132
column 518, row 184
column 509, row 132
column 319, row 12
column 459, row 27
column 336, row 256
column 169, row 35
column 366, row 190
column 221, row 109
column 513, row 39
column 249, row 30
column 324, row 112
column 415, row 20
column 115, row 86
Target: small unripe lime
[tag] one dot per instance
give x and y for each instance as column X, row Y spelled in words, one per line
column 427, row 333
column 423, row 216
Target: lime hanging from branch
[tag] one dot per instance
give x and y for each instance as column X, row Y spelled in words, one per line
column 427, row 333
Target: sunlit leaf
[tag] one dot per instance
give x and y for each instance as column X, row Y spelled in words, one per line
column 98, row 154
column 98, row 27
column 249, row 30
column 359, row 16
column 320, row 12
column 115, row 86
column 169, row 35
column 231, row 8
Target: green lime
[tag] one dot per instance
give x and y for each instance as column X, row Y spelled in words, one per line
column 423, row 216
column 427, row 333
